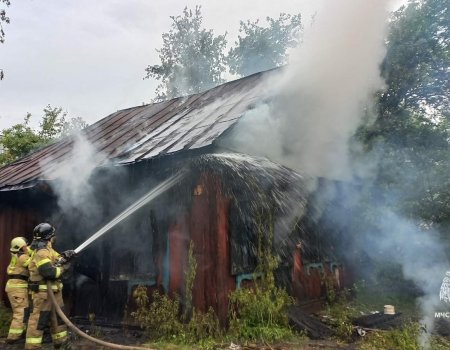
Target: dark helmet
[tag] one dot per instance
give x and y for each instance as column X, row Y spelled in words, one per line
column 43, row 231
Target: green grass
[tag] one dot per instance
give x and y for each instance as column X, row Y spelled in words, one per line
column 405, row 338
column 373, row 297
column 296, row 342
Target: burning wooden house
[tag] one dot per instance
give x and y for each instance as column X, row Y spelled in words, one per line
column 222, row 204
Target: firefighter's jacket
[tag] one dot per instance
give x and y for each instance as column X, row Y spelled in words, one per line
column 17, row 272
column 43, row 267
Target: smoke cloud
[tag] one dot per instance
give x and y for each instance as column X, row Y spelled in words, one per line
column 71, row 176
column 320, row 98
column 417, row 248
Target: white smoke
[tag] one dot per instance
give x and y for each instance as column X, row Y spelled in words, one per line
column 70, row 178
column 421, row 254
column 321, row 96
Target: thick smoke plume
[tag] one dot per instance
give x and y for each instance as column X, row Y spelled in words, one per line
column 320, row 97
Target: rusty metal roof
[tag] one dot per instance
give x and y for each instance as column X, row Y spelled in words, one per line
column 148, row 131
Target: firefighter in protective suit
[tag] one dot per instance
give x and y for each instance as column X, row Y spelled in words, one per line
column 17, row 288
column 44, row 267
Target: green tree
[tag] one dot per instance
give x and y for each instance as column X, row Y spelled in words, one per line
column 51, row 123
column 412, row 127
column 54, row 124
column 264, row 47
column 416, row 68
column 192, row 58
column 21, row 139
column 18, row 140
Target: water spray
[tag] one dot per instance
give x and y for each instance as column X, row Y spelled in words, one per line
column 155, row 192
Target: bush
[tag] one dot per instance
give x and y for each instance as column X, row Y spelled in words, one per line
column 164, row 320
column 260, row 314
column 160, row 318
column 341, row 315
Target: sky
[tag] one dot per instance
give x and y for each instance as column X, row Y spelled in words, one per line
column 89, row 57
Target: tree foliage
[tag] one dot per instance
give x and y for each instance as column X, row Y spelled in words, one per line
column 411, row 131
column 417, row 63
column 264, row 47
column 192, row 58
column 3, row 19
column 21, row 139
column 18, row 140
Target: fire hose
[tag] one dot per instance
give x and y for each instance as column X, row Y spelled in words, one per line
column 80, row 332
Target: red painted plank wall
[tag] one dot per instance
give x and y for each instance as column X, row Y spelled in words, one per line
column 207, row 226
column 308, row 283
column 13, row 223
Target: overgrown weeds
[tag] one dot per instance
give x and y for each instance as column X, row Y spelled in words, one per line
column 160, row 318
column 94, row 330
column 340, row 315
column 260, row 313
column 405, row 338
column 5, row 320
column 166, row 321
column 163, row 320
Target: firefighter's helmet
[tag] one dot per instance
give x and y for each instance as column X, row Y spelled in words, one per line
column 17, row 244
column 44, row 231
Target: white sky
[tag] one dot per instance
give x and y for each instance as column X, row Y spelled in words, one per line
column 89, row 56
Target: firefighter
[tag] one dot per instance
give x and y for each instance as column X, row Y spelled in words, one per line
column 44, row 267
column 17, row 288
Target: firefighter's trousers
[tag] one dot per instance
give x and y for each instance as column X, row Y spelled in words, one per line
column 44, row 315
column 18, row 298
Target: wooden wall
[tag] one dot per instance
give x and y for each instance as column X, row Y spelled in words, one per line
column 207, row 227
column 13, row 222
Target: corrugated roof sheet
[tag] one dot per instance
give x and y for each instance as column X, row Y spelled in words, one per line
column 149, row 131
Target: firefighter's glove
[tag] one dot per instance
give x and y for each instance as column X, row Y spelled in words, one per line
column 61, row 261
column 68, row 255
